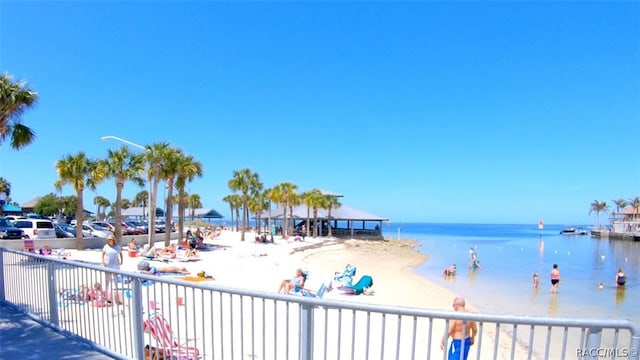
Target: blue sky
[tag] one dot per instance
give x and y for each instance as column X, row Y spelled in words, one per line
column 478, row 112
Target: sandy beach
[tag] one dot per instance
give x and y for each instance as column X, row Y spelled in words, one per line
column 259, row 266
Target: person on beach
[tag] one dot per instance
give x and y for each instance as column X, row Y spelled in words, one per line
column 555, row 278
column 133, row 245
column 536, row 280
column 112, row 259
column 473, row 257
column 456, row 328
column 621, row 278
column 450, row 271
column 144, row 267
column 287, row 285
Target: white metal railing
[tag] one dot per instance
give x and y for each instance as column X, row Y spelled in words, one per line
column 229, row 323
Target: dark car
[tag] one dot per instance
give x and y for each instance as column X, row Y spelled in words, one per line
column 9, row 231
column 65, row 231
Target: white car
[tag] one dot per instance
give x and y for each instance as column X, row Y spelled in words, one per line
column 36, row 228
column 95, row 231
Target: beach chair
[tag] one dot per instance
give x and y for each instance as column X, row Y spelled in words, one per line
column 358, row 288
column 345, row 278
column 167, row 342
column 297, row 290
column 319, row 294
column 29, row 246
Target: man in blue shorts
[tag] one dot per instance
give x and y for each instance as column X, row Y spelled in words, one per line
column 460, row 343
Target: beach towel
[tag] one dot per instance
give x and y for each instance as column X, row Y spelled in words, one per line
column 196, row 278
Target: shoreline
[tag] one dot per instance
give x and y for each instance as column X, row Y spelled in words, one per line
column 261, row 267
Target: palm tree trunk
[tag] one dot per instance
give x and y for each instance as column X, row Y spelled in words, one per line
column 329, row 221
column 118, row 226
column 285, row 225
column 169, row 213
column 79, row 213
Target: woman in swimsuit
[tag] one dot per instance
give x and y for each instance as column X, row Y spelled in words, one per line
column 621, row 278
column 289, row 284
column 555, row 278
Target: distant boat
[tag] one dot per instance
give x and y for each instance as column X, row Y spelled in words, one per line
column 574, row 231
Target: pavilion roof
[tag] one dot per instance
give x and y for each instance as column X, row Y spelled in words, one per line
column 344, row 212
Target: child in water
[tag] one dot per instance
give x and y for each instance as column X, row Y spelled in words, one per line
column 536, row 280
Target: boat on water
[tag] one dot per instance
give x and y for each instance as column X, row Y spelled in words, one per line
column 574, row 231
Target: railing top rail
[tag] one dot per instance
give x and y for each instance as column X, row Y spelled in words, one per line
column 396, row 310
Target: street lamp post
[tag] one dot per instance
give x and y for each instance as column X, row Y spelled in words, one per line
column 110, row 137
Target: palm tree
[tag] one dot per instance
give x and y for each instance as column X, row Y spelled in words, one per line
column 257, row 205
column 79, row 172
column 274, row 196
column 314, row 200
column 245, row 181
column 194, row 203
column 67, row 204
column 620, row 204
column 188, row 169
column 155, row 156
column 102, row 203
column 235, row 202
column 170, row 166
column 294, row 200
column 283, row 194
column 5, row 193
column 15, row 99
column 126, row 203
column 331, row 203
column 598, row 207
column 141, row 199
column 635, row 204
column 123, row 166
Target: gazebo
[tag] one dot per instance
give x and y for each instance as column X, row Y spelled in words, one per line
column 345, row 222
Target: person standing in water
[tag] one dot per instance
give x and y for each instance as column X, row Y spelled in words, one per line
column 621, row 278
column 555, row 278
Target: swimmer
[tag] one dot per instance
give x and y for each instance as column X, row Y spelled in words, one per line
column 536, row 280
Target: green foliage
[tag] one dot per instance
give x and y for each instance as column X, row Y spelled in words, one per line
column 47, row 205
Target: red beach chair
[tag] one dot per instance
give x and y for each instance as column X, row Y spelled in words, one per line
column 167, row 342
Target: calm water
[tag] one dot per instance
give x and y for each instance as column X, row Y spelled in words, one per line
column 510, row 254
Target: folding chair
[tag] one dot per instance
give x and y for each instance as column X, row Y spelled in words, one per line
column 29, row 246
column 167, row 342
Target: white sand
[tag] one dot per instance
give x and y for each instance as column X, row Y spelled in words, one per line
column 260, row 266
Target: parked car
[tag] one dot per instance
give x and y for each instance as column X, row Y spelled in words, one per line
column 14, row 217
column 126, row 229
column 161, row 226
column 104, row 224
column 95, row 231
column 65, row 231
column 9, row 231
column 137, row 226
column 36, row 228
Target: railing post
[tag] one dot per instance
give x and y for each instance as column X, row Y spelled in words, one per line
column 53, row 297
column 594, row 336
column 306, row 332
column 635, row 346
column 137, row 314
column 3, row 281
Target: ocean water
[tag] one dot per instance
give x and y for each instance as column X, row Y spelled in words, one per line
column 510, row 254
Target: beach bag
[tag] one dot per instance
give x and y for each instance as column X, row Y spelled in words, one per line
column 144, row 266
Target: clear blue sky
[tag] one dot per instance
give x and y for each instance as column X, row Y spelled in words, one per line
column 479, row 112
